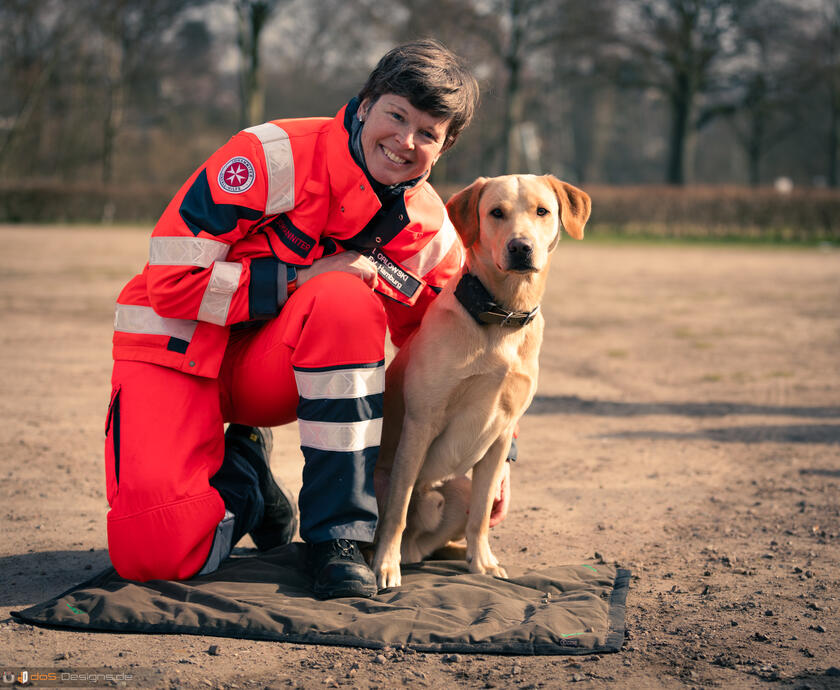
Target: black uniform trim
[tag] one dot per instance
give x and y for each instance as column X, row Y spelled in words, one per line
column 177, row 345
column 200, row 212
column 336, row 367
column 262, row 291
column 341, row 410
column 292, row 237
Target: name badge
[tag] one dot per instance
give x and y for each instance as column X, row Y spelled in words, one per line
column 395, row 276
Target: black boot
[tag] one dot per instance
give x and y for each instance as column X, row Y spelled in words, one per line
column 340, row 570
column 280, row 515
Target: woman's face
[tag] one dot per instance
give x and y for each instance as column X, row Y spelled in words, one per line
column 399, row 141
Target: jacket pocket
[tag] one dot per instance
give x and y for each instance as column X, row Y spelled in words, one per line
column 112, row 447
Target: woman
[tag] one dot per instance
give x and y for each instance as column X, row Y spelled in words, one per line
column 272, row 277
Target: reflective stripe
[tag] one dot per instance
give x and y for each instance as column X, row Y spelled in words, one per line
column 222, row 544
column 280, row 165
column 217, row 297
column 186, row 251
column 340, row 383
column 129, row 318
column 434, row 252
column 332, row 436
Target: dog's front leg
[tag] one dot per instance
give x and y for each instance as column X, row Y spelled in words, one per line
column 414, row 442
column 487, row 474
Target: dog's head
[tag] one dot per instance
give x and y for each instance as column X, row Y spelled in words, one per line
column 513, row 222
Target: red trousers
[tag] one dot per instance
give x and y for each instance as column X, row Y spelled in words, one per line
column 165, row 433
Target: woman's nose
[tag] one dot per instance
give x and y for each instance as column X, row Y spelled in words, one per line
column 406, row 139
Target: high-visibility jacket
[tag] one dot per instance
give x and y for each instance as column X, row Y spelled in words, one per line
column 284, row 193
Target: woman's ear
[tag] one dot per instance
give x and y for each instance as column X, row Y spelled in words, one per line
column 575, row 206
column 462, row 208
column 361, row 112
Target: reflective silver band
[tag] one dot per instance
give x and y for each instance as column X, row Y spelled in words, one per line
column 222, row 544
column 280, row 165
column 129, row 318
column 186, row 251
column 340, row 437
column 340, row 383
column 217, row 297
column 435, row 251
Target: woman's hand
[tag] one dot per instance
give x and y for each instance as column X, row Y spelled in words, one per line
column 502, row 500
column 348, row 262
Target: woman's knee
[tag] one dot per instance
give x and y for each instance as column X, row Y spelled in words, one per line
column 169, row 542
column 342, row 296
column 339, row 320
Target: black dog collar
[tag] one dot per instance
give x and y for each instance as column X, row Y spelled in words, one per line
column 480, row 304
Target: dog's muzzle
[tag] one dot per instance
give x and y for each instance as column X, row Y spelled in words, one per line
column 520, row 255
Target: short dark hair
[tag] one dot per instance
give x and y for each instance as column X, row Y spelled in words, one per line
column 432, row 78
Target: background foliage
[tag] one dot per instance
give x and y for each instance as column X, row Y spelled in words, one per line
column 108, row 107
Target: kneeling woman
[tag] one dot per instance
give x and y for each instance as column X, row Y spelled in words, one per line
column 272, row 276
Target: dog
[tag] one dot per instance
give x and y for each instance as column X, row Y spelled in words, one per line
column 456, row 389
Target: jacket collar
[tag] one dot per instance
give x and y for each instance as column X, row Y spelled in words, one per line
column 480, row 304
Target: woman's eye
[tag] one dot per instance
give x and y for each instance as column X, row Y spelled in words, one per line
column 541, row 211
column 497, row 213
column 397, row 116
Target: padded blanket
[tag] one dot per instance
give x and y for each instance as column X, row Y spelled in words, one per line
column 441, row 607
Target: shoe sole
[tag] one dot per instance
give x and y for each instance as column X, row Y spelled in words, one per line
column 348, row 588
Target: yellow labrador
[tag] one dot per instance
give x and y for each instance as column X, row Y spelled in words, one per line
column 455, row 391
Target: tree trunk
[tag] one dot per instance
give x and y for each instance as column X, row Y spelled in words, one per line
column 114, row 102
column 513, row 96
column 681, row 103
column 833, row 135
column 252, row 19
column 755, row 147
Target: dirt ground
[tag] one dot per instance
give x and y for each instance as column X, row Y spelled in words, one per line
column 687, row 427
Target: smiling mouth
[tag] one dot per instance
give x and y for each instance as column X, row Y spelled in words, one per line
column 393, row 157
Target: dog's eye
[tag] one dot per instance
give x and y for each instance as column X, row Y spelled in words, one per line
column 497, row 213
column 541, row 211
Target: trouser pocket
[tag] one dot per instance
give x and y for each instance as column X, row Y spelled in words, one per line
column 112, row 447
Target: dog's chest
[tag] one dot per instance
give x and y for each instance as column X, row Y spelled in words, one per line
column 483, row 406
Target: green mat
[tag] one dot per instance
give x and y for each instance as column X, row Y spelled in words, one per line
column 441, row 607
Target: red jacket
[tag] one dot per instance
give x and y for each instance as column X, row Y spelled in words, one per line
column 277, row 194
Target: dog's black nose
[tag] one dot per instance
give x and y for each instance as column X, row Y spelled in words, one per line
column 520, row 246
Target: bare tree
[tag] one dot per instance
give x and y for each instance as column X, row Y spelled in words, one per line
column 34, row 38
column 766, row 80
column 678, row 48
column 252, row 18
column 131, row 33
column 826, row 64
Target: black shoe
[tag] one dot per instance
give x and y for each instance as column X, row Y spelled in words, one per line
column 340, row 570
column 280, row 518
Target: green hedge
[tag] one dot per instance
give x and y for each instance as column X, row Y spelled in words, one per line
column 660, row 211
column 53, row 202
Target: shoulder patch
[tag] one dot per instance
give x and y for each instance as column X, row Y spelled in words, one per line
column 237, row 175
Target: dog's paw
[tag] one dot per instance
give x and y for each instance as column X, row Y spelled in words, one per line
column 497, row 571
column 387, row 571
column 486, row 563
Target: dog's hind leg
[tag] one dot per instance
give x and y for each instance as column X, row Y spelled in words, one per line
column 453, row 519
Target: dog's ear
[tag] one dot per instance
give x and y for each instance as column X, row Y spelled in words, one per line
column 462, row 208
column 575, row 206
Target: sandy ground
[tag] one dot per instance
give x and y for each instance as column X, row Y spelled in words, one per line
column 687, row 427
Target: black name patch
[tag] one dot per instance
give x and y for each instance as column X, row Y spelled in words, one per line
column 294, row 238
column 391, row 273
